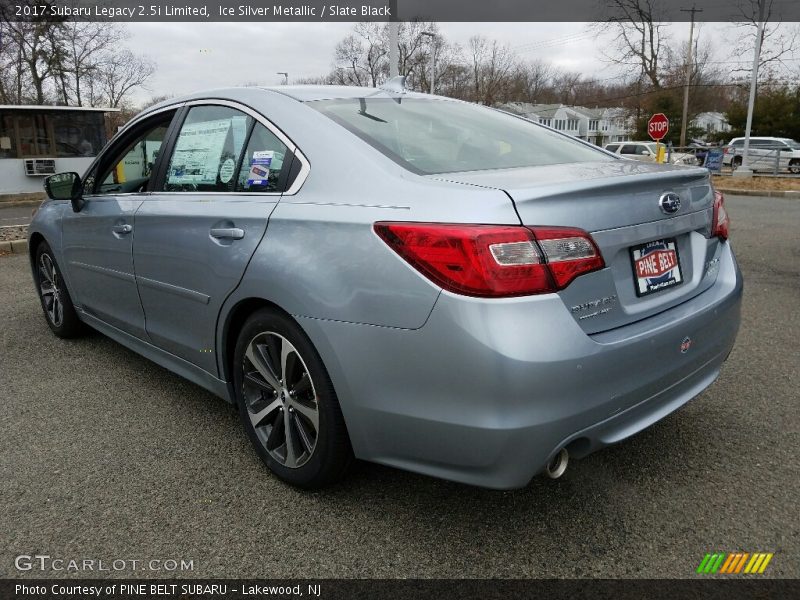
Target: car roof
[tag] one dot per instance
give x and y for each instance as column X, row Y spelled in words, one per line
column 300, row 93
column 308, row 93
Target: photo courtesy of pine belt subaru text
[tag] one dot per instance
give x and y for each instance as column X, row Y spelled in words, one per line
column 395, row 277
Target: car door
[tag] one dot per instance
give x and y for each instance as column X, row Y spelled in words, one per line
column 98, row 240
column 223, row 176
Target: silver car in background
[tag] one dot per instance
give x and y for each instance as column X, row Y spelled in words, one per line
column 396, row 277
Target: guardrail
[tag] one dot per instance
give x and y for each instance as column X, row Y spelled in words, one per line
column 724, row 160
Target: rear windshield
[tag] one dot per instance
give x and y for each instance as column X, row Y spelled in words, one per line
column 439, row 136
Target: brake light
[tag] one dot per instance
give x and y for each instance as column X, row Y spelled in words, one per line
column 494, row 261
column 720, row 221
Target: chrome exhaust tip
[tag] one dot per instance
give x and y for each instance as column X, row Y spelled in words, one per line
column 558, row 466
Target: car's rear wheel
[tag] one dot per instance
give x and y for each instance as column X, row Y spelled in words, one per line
column 794, row 166
column 287, row 403
column 56, row 301
column 736, row 162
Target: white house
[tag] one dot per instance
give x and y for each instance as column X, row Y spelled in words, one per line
column 711, row 122
column 596, row 125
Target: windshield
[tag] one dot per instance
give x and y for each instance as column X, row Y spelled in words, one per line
column 439, row 136
column 792, row 144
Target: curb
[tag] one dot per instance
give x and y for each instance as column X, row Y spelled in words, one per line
column 14, row 247
column 15, row 203
column 764, row 193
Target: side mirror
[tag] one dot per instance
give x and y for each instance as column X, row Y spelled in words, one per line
column 65, row 186
column 646, row 153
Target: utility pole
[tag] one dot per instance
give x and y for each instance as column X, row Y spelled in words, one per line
column 744, row 170
column 393, row 50
column 285, row 77
column 432, row 37
column 685, row 117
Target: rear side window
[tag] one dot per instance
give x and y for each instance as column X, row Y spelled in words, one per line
column 438, row 136
column 612, row 147
column 263, row 163
column 629, row 149
column 208, row 150
column 737, row 143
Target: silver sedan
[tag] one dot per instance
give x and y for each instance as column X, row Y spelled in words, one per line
column 395, row 277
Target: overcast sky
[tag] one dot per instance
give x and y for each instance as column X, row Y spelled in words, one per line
column 193, row 56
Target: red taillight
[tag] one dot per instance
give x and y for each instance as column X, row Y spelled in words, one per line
column 494, row 260
column 720, row 221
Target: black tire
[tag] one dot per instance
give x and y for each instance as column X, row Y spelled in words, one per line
column 794, row 166
column 59, row 311
column 736, row 162
column 307, row 388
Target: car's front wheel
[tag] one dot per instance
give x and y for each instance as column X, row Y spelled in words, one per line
column 56, row 301
column 287, row 403
column 794, row 166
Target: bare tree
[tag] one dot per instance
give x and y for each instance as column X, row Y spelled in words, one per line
column 349, row 57
column 704, row 77
column 640, row 37
column 533, row 81
column 122, row 72
column 362, row 57
column 492, row 65
column 86, row 47
column 32, row 43
column 778, row 43
column 67, row 62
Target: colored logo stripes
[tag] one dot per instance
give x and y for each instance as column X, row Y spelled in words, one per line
column 735, row 562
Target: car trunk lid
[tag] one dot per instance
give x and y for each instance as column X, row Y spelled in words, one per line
column 618, row 202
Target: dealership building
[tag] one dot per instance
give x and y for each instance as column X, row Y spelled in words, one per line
column 36, row 141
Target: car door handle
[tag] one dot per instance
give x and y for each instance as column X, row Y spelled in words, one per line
column 231, row 233
column 122, row 228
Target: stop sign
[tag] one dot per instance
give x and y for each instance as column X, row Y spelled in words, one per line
column 658, row 126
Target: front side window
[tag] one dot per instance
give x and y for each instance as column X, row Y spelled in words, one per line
column 208, row 150
column 129, row 169
column 442, row 136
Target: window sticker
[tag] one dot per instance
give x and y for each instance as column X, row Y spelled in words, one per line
column 226, row 170
column 198, row 152
column 259, row 167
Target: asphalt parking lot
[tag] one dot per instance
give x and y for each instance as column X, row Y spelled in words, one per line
column 107, row 456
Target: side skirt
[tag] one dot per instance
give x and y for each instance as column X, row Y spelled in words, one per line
column 162, row 358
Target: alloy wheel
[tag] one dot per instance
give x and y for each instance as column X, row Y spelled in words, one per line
column 280, row 399
column 49, row 287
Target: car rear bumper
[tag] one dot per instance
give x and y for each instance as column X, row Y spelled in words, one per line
column 487, row 391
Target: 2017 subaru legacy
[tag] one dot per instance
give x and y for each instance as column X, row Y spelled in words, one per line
column 396, row 277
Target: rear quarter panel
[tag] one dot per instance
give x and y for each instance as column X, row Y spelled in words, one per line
column 320, row 257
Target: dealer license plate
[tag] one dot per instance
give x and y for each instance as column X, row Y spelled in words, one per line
column 656, row 266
